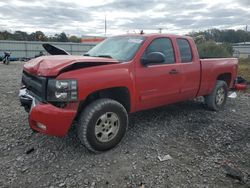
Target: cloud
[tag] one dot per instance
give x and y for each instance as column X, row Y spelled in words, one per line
column 244, row 3
column 80, row 18
column 50, row 14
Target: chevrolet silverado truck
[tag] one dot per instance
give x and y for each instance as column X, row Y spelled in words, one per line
column 121, row 75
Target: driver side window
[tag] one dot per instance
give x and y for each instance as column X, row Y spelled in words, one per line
column 163, row 45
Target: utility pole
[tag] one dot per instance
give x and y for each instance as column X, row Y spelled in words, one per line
column 245, row 38
column 105, row 25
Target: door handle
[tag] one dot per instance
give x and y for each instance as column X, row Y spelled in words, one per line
column 173, row 71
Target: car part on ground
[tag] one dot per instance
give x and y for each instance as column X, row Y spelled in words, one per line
column 241, row 84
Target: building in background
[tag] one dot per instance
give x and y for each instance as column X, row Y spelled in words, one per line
column 242, row 50
column 92, row 39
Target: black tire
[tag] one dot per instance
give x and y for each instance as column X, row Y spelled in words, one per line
column 211, row 100
column 88, row 121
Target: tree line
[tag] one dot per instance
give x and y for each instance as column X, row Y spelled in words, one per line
column 224, row 36
column 37, row 36
column 214, row 43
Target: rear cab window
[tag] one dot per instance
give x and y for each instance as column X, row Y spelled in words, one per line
column 185, row 50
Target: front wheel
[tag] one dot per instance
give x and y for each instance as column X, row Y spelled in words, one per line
column 102, row 125
column 217, row 99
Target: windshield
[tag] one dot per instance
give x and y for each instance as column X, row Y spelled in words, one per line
column 121, row 48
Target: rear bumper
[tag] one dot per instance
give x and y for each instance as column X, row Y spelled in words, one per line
column 46, row 118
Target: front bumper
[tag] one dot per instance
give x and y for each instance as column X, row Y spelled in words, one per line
column 55, row 121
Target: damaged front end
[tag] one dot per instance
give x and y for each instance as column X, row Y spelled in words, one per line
column 42, row 97
column 27, row 100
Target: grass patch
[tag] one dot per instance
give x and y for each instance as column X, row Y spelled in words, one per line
column 244, row 70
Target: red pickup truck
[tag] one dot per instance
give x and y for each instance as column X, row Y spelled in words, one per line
column 121, row 75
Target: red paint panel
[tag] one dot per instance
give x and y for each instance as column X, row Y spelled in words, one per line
column 57, row 120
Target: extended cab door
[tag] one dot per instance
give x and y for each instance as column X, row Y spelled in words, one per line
column 190, row 68
column 158, row 84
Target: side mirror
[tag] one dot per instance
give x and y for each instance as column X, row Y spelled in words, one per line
column 153, row 58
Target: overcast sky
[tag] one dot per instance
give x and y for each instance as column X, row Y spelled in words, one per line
column 86, row 17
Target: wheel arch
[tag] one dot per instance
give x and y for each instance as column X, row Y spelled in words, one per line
column 227, row 77
column 119, row 94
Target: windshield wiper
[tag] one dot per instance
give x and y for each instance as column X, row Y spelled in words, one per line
column 105, row 56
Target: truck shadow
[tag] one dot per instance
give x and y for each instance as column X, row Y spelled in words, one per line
column 179, row 111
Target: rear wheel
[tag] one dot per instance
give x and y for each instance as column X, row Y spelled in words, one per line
column 217, row 99
column 102, row 125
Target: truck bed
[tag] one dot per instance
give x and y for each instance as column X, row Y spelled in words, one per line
column 226, row 67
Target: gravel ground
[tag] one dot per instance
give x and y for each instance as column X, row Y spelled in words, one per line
column 199, row 141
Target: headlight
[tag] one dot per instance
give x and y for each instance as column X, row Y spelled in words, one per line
column 62, row 90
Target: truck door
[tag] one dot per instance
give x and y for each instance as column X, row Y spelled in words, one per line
column 190, row 68
column 158, row 84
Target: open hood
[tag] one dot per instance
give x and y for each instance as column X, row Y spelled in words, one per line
column 53, row 50
column 54, row 65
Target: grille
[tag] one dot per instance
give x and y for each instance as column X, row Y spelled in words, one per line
column 35, row 85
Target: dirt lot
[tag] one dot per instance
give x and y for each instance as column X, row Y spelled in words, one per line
column 199, row 141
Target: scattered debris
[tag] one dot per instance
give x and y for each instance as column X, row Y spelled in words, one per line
column 233, row 172
column 241, row 83
column 92, row 185
column 86, row 181
column 232, row 95
column 142, row 185
column 240, row 87
column 62, row 184
column 30, row 150
column 164, row 158
column 24, row 169
column 10, row 92
column 20, row 158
